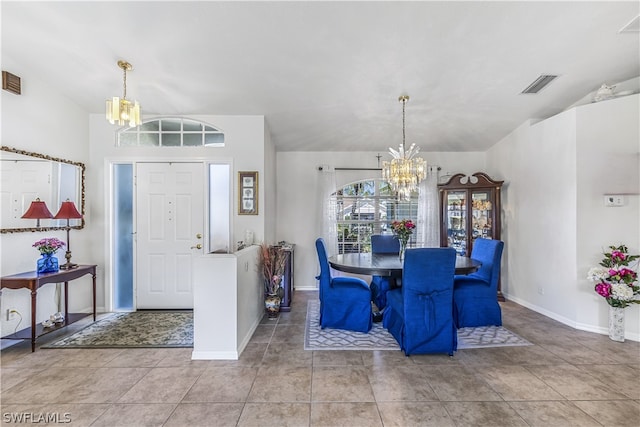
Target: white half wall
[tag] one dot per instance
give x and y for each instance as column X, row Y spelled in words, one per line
column 228, row 303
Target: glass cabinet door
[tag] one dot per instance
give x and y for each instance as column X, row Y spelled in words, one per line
column 470, row 210
column 481, row 215
column 456, row 221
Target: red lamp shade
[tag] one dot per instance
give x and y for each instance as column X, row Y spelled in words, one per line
column 37, row 210
column 68, row 211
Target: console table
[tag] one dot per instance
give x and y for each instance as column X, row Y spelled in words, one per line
column 32, row 280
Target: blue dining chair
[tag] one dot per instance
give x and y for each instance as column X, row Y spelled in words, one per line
column 380, row 285
column 345, row 302
column 420, row 314
column 475, row 295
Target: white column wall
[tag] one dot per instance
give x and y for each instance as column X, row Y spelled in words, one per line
column 298, row 218
column 270, row 189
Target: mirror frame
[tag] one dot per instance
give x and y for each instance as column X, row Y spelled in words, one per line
column 53, row 159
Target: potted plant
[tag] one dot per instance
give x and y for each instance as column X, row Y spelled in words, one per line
column 617, row 282
column 273, row 260
column 48, row 246
column 403, row 230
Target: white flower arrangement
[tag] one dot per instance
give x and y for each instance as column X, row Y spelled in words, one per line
column 615, row 279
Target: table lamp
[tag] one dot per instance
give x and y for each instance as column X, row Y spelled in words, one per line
column 68, row 211
column 37, row 210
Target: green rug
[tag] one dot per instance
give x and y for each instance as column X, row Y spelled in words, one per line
column 131, row 330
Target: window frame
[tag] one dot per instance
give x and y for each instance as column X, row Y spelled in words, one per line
column 159, row 129
column 386, row 208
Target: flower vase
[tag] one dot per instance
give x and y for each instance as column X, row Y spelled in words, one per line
column 403, row 248
column 47, row 263
column 272, row 305
column 616, row 323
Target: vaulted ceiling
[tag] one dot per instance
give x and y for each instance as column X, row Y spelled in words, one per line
column 327, row 75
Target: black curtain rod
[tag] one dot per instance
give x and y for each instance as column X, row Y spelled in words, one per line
column 353, row 169
column 359, row 169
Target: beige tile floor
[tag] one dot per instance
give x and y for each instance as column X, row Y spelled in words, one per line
column 568, row 378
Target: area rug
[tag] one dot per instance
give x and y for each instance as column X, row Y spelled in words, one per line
column 131, row 330
column 378, row 338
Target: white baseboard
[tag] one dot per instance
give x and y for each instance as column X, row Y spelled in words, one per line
column 214, row 355
column 247, row 338
column 569, row 322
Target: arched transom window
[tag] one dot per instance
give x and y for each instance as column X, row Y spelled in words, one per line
column 171, row 132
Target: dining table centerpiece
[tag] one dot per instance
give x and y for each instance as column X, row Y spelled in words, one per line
column 272, row 260
column 48, row 262
column 617, row 282
column 403, row 230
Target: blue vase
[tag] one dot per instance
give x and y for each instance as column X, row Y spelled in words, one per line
column 48, row 263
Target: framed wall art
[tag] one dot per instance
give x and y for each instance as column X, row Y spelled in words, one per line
column 248, row 193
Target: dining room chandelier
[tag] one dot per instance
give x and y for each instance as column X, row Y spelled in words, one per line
column 123, row 110
column 405, row 171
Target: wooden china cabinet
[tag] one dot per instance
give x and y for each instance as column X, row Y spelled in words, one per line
column 470, row 208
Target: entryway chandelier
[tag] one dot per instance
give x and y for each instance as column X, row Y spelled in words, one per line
column 405, row 171
column 122, row 110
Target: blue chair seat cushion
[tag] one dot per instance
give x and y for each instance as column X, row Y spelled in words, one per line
column 349, row 283
column 463, row 285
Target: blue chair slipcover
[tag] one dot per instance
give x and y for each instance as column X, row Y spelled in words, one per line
column 420, row 314
column 345, row 302
column 476, row 295
column 380, row 285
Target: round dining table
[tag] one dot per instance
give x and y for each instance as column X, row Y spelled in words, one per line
column 387, row 264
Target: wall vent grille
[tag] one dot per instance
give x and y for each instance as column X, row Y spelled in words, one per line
column 11, row 82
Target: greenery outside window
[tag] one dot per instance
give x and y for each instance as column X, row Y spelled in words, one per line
column 171, row 132
column 368, row 207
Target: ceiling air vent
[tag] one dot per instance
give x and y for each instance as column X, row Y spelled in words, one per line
column 539, row 83
column 632, row 27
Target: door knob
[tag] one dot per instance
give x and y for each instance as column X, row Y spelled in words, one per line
column 199, row 236
column 198, row 246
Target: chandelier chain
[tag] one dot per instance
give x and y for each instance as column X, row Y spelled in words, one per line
column 404, row 102
column 124, row 83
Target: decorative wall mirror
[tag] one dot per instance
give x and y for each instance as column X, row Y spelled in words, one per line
column 27, row 176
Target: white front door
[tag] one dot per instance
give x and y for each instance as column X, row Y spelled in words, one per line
column 170, row 222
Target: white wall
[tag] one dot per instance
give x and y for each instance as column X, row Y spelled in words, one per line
column 608, row 135
column 43, row 121
column 244, row 150
column 554, row 223
column 297, row 197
